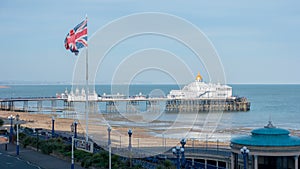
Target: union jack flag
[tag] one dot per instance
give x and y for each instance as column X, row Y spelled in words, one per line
column 77, row 37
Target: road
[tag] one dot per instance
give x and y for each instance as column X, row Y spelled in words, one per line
column 11, row 162
column 37, row 160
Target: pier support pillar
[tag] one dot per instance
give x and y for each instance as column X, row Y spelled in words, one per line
column 111, row 107
column 11, row 105
column 154, row 106
column 39, row 105
column 53, row 105
column 25, row 106
column 69, row 105
column 93, row 106
column 2, row 105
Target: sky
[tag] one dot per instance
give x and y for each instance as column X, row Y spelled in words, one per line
column 258, row 42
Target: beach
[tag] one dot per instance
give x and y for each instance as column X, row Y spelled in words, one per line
column 140, row 138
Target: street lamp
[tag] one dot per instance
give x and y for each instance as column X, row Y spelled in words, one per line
column 245, row 151
column 11, row 131
column 182, row 142
column 129, row 146
column 17, row 123
column 53, row 120
column 37, row 137
column 129, row 134
column 72, row 155
column 74, row 128
column 109, row 145
column 176, row 151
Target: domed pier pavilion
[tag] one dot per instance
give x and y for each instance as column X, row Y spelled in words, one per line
column 267, row 148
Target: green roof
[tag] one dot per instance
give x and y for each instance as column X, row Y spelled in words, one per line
column 268, row 136
column 270, row 131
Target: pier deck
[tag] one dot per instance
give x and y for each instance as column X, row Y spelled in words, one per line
column 134, row 104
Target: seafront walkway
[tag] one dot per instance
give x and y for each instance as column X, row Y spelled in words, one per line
column 30, row 159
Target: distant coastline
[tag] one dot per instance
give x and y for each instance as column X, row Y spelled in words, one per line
column 7, row 84
column 4, row 87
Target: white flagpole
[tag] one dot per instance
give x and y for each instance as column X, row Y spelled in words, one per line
column 87, row 95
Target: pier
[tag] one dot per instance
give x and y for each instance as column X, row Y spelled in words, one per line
column 23, row 104
column 128, row 104
column 195, row 97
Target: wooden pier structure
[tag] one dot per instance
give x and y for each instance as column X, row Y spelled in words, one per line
column 9, row 104
column 130, row 104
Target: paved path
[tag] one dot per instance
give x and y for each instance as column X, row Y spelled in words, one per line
column 9, row 162
column 30, row 159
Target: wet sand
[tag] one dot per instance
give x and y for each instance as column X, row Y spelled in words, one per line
column 39, row 121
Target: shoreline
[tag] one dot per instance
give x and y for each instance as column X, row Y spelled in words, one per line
column 142, row 137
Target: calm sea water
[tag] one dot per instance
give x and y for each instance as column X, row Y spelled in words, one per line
column 280, row 103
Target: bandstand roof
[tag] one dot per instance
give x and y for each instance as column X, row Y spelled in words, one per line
column 269, row 136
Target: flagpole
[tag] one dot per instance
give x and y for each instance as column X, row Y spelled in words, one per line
column 87, row 94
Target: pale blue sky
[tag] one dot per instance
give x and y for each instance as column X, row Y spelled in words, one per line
column 257, row 41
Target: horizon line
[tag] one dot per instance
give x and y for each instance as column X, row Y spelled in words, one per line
column 140, row 83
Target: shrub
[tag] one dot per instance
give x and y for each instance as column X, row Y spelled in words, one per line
column 86, row 162
column 168, row 164
column 22, row 136
column 46, row 147
column 1, row 122
column 27, row 141
column 79, row 154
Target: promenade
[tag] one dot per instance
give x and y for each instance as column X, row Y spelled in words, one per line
column 30, row 159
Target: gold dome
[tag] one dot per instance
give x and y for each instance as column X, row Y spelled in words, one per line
column 199, row 77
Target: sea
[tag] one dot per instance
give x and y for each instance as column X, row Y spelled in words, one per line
column 277, row 103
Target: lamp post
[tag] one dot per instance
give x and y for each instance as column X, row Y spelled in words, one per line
column 53, row 120
column 17, row 119
column 75, row 129
column 72, row 127
column 182, row 142
column 129, row 145
column 37, row 138
column 11, row 131
column 129, row 134
column 245, row 151
column 72, row 156
column 109, row 145
column 176, row 151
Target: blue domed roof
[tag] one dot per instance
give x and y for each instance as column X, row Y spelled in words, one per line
column 270, row 131
column 268, row 136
